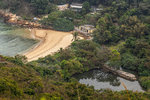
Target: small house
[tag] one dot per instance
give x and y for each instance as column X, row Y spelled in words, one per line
column 76, row 7
column 63, row 7
column 85, row 29
column 95, row 9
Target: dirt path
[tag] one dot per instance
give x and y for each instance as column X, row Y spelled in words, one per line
column 51, row 42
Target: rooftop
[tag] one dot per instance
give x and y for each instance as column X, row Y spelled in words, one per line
column 89, row 27
column 76, row 5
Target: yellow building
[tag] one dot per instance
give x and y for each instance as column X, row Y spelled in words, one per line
column 87, row 28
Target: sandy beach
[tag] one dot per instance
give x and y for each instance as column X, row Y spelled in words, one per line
column 50, row 42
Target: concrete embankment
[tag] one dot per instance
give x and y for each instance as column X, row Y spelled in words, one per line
column 17, row 20
column 120, row 73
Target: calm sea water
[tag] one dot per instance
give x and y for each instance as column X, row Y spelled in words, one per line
column 103, row 80
column 14, row 40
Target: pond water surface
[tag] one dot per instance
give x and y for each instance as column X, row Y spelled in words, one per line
column 103, row 80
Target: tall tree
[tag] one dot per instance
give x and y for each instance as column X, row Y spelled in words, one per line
column 86, row 8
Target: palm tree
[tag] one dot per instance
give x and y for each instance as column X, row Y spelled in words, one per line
column 75, row 36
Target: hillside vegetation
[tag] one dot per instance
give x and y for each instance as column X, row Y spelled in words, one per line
column 121, row 39
column 50, row 79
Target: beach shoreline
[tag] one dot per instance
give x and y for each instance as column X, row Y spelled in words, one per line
column 50, row 42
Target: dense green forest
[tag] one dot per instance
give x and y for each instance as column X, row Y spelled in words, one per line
column 121, row 38
column 50, row 78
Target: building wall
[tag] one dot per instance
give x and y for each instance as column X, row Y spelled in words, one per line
column 86, row 30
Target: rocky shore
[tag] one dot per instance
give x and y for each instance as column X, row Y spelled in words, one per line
column 17, row 20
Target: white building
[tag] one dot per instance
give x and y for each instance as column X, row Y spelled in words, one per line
column 96, row 10
column 76, row 7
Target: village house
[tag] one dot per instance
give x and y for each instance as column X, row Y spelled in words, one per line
column 85, row 29
column 63, row 7
column 76, row 7
column 95, row 9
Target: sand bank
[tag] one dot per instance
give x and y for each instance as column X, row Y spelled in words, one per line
column 50, row 42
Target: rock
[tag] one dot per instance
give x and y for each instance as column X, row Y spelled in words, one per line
column 14, row 19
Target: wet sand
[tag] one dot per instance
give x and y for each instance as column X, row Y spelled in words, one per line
column 50, row 42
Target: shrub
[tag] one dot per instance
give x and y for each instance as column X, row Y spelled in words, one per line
column 7, row 86
column 63, row 24
column 145, row 82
